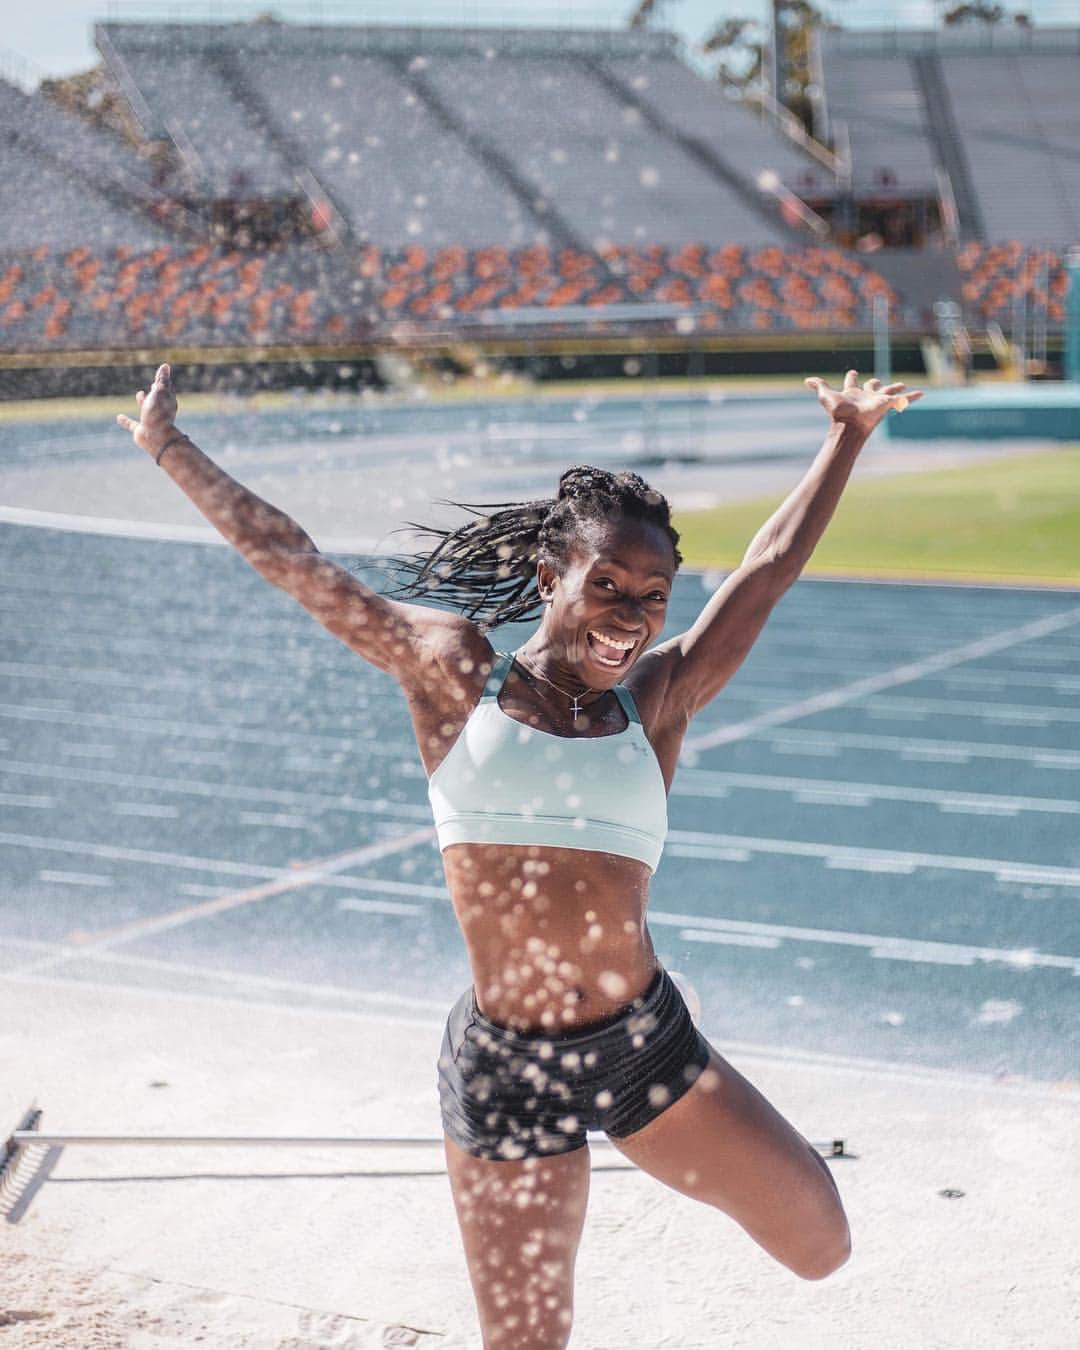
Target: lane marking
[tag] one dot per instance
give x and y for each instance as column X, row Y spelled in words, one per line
column 710, row 782
column 18, row 799
column 163, row 533
column 76, row 878
column 28, row 712
column 307, row 874
column 699, row 844
column 897, row 948
column 320, row 993
column 1020, row 713
column 807, row 742
column 729, row 939
column 382, row 907
column 147, row 809
column 222, row 791
column 889, row 679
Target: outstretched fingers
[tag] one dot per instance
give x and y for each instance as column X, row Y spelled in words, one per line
column 851, row 380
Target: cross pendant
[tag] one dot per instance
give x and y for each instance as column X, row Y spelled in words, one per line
column 575, row 707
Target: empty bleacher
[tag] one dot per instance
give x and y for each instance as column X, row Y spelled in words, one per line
column 996, row 109
column 392, row 168
column 1023, row 142
column 190, row 101
column 695, row 107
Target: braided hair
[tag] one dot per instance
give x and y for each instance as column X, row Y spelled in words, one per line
column 487, row 567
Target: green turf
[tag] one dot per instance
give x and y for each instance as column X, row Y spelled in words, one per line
column 1012, row 519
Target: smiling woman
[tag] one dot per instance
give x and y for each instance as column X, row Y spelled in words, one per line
column 548, row 772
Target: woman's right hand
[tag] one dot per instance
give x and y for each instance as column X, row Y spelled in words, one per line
column 157, row 414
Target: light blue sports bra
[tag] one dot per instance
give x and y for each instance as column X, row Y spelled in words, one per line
column 507, row 783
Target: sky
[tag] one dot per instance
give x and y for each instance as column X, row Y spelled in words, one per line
column 54, row 37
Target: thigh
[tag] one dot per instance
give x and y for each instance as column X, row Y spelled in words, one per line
column 723, row 1143
column 521, row 1223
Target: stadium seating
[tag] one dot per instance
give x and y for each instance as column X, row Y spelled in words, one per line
column 391, row 167
column 458, row 178
column 1021, row 144
column 1003, row 280
column 996, row 108
column 591, row 157
column 64, row 299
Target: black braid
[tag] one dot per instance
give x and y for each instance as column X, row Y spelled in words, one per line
column 487, row 566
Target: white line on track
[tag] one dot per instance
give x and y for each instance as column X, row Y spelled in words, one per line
column 75, row 878
column 897, row 948
column 1020, row 713
column 220, row 791
column 287, row 879
column 382, row 907
column 137, row 529
column 203, row 731
column 888, row 679
column 708, row 783
column 698, row 844
column 797, row 740
column 18, row 799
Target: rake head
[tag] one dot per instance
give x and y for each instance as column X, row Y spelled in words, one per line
column 13, row 1148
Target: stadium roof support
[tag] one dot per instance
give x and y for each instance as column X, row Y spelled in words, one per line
column 948, row 143
column 387, row 40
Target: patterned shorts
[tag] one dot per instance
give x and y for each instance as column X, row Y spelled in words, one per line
column 506, row 1095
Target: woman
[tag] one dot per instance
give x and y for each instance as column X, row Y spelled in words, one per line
column 548, row 773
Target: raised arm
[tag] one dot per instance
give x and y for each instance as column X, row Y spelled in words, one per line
column 398, row 638
column 702, row 660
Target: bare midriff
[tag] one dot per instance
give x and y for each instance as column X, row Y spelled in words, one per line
column 556, row 936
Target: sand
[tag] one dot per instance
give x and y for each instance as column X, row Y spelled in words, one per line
column 292, row 1249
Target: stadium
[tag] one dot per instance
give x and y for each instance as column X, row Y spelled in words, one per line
column 244, row 193
column 547, row 282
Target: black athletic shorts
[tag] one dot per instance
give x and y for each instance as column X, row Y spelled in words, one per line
column 506, row 1095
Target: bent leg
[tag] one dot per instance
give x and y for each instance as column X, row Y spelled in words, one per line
column 521, row 1223
column 723, row 1143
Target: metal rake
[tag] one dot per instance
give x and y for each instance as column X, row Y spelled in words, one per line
column 27, row 1134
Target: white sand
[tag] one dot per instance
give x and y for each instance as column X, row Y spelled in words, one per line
column 301, row 1248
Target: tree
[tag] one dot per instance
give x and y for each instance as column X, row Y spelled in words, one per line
column 955, row 15
column 645, row 11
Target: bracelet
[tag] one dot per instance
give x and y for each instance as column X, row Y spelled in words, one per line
column 171, row 441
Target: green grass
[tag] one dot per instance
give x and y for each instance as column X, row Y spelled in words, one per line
column 1002, row 520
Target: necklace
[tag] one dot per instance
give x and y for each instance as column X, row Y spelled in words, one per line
column 575, row 705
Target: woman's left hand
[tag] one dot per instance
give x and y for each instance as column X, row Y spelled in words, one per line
column 862, row 406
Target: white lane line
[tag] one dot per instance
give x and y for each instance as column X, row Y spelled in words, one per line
column 221, row 791
column 382, row 907
column 147, row 809
column 203, row 731
column 698, row 844
column 729, row 939
column 182, row 861
column 1005, row 679
column 138, row 529
column 287, row 879
column 897, row 948
column 710, row 783
column 17, row 799
column 1019, row 713
column 75, row 878
column 829, row 743
column 888, row 679
column 277, row 822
